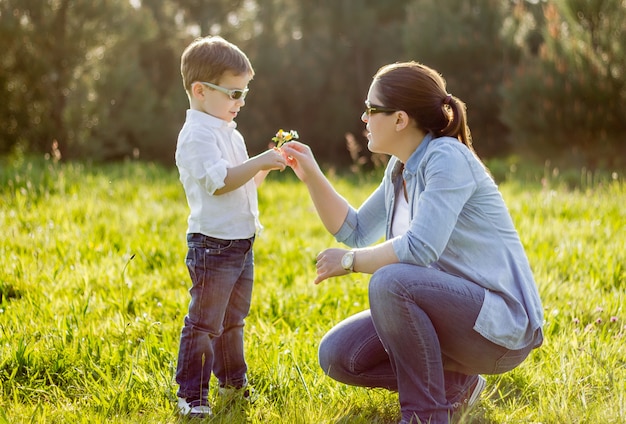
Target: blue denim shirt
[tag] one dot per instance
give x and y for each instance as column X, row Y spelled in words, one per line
column 459, row 225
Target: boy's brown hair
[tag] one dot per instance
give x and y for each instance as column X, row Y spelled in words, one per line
column 206, row 59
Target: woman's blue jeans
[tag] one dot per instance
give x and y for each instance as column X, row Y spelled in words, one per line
column 222, row 273
column 417, row 338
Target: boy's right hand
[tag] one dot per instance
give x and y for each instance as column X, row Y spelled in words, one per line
column 271, row 160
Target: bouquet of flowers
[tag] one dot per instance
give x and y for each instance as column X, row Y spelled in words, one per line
column 283, row 137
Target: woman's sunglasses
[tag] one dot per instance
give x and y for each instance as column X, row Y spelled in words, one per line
column 371, row 109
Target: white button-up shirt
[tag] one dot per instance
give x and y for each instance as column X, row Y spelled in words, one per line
column 206, row 148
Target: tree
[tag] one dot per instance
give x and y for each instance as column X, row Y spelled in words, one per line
column 140, row 102
column 12, row 88
column 314, row 63
column 463, row 41
column 47, row 46
column 569, row 99
column 102, row 77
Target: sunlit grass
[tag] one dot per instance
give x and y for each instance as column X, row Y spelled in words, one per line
column 94, row 289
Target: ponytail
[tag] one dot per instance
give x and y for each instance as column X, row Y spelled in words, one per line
column 457, row 127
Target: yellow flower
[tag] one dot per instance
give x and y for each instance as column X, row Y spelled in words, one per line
column 283, row 137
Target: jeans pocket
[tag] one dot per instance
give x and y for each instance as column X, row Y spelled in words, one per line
column 208, row 245
column 510, row 360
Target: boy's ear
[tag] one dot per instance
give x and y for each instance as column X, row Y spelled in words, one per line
column 197, row 90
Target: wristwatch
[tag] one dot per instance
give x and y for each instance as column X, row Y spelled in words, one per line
column 347, row 261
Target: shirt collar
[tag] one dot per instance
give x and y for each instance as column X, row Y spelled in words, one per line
column 209, row 120
column 418, row 154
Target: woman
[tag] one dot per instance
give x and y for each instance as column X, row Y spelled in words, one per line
column 452, row 294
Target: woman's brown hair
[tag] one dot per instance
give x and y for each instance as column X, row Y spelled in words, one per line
column 420, row 91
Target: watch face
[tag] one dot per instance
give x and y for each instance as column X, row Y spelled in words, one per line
column 346, row 261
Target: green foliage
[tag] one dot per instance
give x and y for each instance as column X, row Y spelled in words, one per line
column 102, row 77
column 463, row 41
column 47, row 45
column 314, row 63
column 568, row 99
column 93, row 290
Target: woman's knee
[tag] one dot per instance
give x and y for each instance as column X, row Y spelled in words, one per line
column 381, row 280
column 385, row 290
column 347, row 344
column 326, row 353
column 323, row 358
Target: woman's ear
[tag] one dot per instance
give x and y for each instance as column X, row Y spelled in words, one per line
column 402, row 120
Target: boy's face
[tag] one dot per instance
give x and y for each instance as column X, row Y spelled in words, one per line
column 217, row 103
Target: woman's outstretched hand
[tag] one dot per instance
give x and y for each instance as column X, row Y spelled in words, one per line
column 300, row 158
column 328, row 264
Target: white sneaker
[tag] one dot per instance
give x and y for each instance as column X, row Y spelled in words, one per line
column 188, row 409
column 472, row 395
column 478, row 388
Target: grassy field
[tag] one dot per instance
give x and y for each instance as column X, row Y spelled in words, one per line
column 93, row 292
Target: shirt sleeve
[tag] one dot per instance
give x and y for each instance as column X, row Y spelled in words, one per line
column 366, row 225
column 448, row 184
column 201, row 156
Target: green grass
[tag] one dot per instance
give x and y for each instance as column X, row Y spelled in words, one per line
column 93, row 292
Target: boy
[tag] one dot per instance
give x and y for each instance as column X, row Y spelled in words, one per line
column 220, row 184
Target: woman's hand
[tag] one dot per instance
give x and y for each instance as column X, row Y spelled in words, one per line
column 328, row 264
column 365, row 260
column 300, row 158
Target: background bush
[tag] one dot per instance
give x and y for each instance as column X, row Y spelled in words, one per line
column 101, row 78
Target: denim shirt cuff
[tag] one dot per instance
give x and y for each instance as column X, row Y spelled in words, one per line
column 400, row 248
column 348, row 226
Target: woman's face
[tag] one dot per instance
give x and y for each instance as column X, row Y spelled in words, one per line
column 380, row 123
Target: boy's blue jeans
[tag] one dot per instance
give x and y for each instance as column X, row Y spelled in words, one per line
column 417, row 338
column 222, row 273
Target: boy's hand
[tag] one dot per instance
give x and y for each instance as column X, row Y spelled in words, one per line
column 270, row 160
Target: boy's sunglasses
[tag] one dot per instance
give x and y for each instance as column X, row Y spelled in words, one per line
column 371, row 109
column 232, row 94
